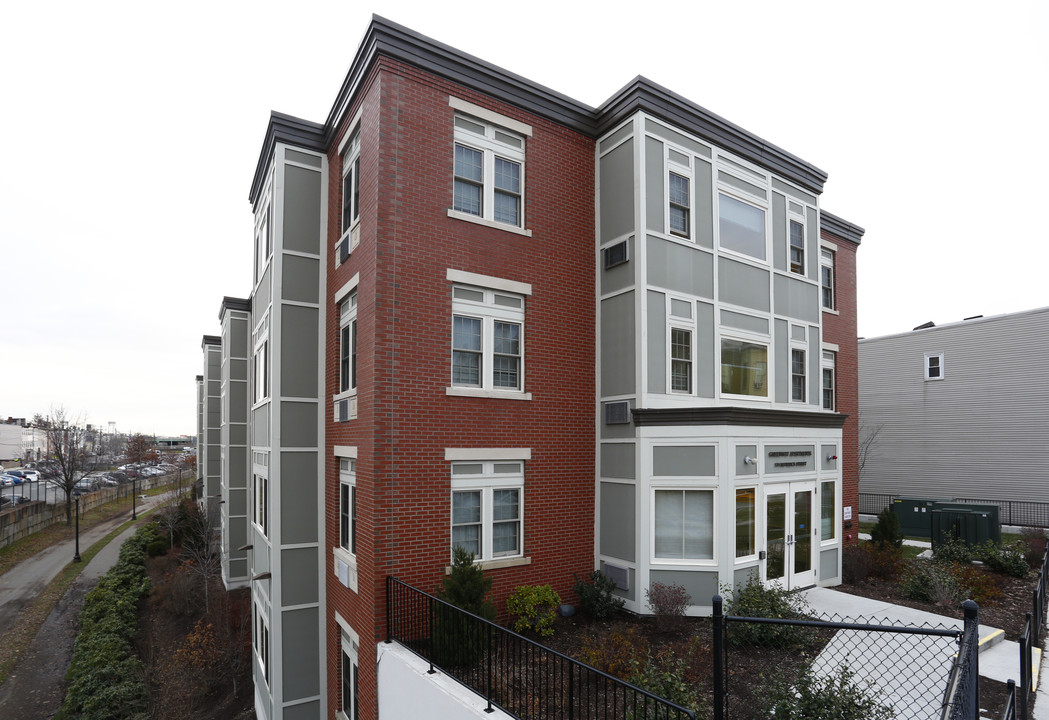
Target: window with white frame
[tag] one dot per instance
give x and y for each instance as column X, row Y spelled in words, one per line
column 827, row 278
column 741, row 226
column 489, row 171
column 679, row 194
column 348, row 696
column 262, row 641
column 680, row 334
column 261, row 504
column 934, row 366
column 348, row 505
column 351, row 182
column 348, row 343
column 744, row 368
column 263, row 238
column 828, row 506
column 827, row 383
column 683, row 525
column 260, row 371
column 487, row 339
column 797, row 246
column 487, row 508
column 746, row 505
column 797, row 375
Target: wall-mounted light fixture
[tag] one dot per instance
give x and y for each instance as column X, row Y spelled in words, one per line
column 748, row 460
column 831, row 457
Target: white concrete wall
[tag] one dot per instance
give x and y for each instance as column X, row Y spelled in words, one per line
column 406, row 692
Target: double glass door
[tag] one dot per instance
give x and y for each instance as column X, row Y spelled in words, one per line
column 790, row 534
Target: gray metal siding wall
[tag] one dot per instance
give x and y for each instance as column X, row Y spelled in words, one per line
column 981, row 431
column 236, row 453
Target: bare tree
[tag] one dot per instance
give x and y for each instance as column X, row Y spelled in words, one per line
column 66, row 436
column 199, row 549
column 870, row 437
column 137, row 448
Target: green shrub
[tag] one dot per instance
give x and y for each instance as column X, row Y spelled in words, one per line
column 1009, row 559
column 836, row 696
column 886, row 560
column 756, row 600
column 952, row 550
column 855, row 563
column 616, row 652
column 596, row 597
column 932, row 582
column 460, row 640
column 666, row 677
column 466, row 585
column 157, row 547
column 886, row 532
column 535, row 607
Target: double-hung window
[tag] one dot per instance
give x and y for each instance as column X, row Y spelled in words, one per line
column 348, row 505
column 797, row 247
column 489, row 171
column 262, row 641
column 262, row 503
column 350, row 155
column 260, row 371
column 797, row 375
column 681, row 334
column 348, row 343
column 679, row 194
column 348, row 695
column 827, row 278
column 683, row 525
column 934, row 366
column 487, row 339
column 487, row 508
column 827, row 373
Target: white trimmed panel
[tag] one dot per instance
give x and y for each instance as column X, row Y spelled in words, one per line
column 493, row 117
column 346, row 451
column 488, row 453
column 346, row 289
column 469, row 278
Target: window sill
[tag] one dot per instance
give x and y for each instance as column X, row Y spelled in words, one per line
column 344, row 568
column 830, row 311
column 482, row 393
column 488, row 223
column 496, row 564
column 344, row 395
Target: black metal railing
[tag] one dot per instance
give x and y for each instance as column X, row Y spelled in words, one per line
column 1020, row 513
column 961, row 700
column 874, row 503
column 1009, row 711
column 1030, row 638
column 511, row 672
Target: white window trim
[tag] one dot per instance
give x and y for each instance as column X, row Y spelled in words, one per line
column 831, row 365
column 833, row 249
column 755, row 339
column 756, row 202
column 488, row 312
column 491, row 147
column 261, row 524
column 349, row 644
column 351, row 234
column 347, row 451
column 675, row 322
column 488, row 281
column 262, row 641
column 481, row 454
column 347, row 287
column 488, row 223
column 803, row 348
column 800, row 219
column 686, row 486
column 684, row 171
column 486, row 483
column 750, row 485
column 491, row 116
column 836, row 519
column 926, row 366
column 346, row 555
column 347, row 319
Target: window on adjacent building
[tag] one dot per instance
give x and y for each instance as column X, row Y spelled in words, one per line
column 261, row 504
column 679, row 216
column 348, row 343
column 348, row 709
column 827, row 278
column 744, row 368
column 487, row 338
column 745, row 514
column 487, row 513
column 348, row 505
column 828, row 503
column 934, row 367
column 797, row 375
column 263, row 240
column 684, row 524
column 260, row 377
column 797, row 247
column 489, row 171
column 741, row 226
column 827, row 371
column 262, row 641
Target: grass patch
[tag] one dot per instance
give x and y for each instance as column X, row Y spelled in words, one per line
column 17, row 639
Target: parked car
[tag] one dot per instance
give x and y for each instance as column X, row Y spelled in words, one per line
column 26, row 475
column 6, row 479
column 118, row 476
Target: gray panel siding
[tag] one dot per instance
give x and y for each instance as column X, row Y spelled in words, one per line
column 705, row 349
column 702, row 586
column 782, row 360
column 301, row 659
column 301, row 276
column 812, row 244
column 621, row 276
column 742, row 453
column 828, row 564
column 298, row 352
column 798, row 194
column 617, row 460
column 657, row 342
column 981, row 431
column 617, row 192
column 743, row 575
column 749, row 188
column 743, row 285
column 680, row 268
column 299, row 576
column 311, row 160
column 704, row 219
column 617, row 345
column 654, row 184
column 677, row 138
column 303, row 711
column 298, row 424
column 779, row 232
column 619, row 431
column 796, row 299
column 745, row 322
column 814, row 365
column 298, row 497
column 684, row 461
column 617, row 521
column 615, row 137
column 263, row 293
column 302, row 209
column 260, row 426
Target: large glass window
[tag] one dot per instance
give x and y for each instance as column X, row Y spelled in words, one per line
column 828, row 503
column 745, row 514
column 489, row 171
column 741, row 226
column 487, row 514
column 744, row 368
column 684, row 524
column 487, row 350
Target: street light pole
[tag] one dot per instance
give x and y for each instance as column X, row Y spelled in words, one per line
column 76, row 554
column 134, row 497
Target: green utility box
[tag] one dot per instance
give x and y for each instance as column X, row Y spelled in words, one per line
column 915, row 515
column 972, row 524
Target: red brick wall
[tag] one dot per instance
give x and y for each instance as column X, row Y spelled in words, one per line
column 405, row 419
column 840, row 329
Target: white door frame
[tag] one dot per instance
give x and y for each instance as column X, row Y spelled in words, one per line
column 788, row 545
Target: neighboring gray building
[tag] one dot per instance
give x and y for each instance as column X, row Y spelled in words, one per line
column 961, row 410
column 235, row 316
column 209, row 457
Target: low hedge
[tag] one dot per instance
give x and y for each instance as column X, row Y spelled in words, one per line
column 106, row 678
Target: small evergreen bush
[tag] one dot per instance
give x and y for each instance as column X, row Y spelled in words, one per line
column 952, row 550
column 756, row 600
column 596, row 597
column 886, row 532
column 668, row 603
column 535, row 607
column 666, row 677
column 837, row 696
column 466, row 585
column 460, row 640
column 1009, row 559
column 1035, row 545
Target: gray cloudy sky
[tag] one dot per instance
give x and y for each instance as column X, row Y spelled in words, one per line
column 132, row 131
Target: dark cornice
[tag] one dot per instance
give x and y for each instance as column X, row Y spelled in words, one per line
column 210, row 340
column 841, row 228
column 231, row 303
column 285, row 129
column 641, row 94
column 737, row 416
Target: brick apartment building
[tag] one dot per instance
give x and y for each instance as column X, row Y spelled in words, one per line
column 565, row 338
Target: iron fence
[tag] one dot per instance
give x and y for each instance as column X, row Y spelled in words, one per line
column 874, row 503
column 868, row 668
column 961, row 701
column 1030, row 637
column 1020, row 513
column 511, row 672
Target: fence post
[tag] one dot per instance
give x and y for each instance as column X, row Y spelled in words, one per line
column 972, row 629
column 719, row 657
column 1025, row 669
column 389, row 605
column 488, row 691
column 571, row 691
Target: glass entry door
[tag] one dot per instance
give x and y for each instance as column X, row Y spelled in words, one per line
column 789, row 533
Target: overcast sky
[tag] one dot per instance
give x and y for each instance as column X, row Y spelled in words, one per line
column 132, row 131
